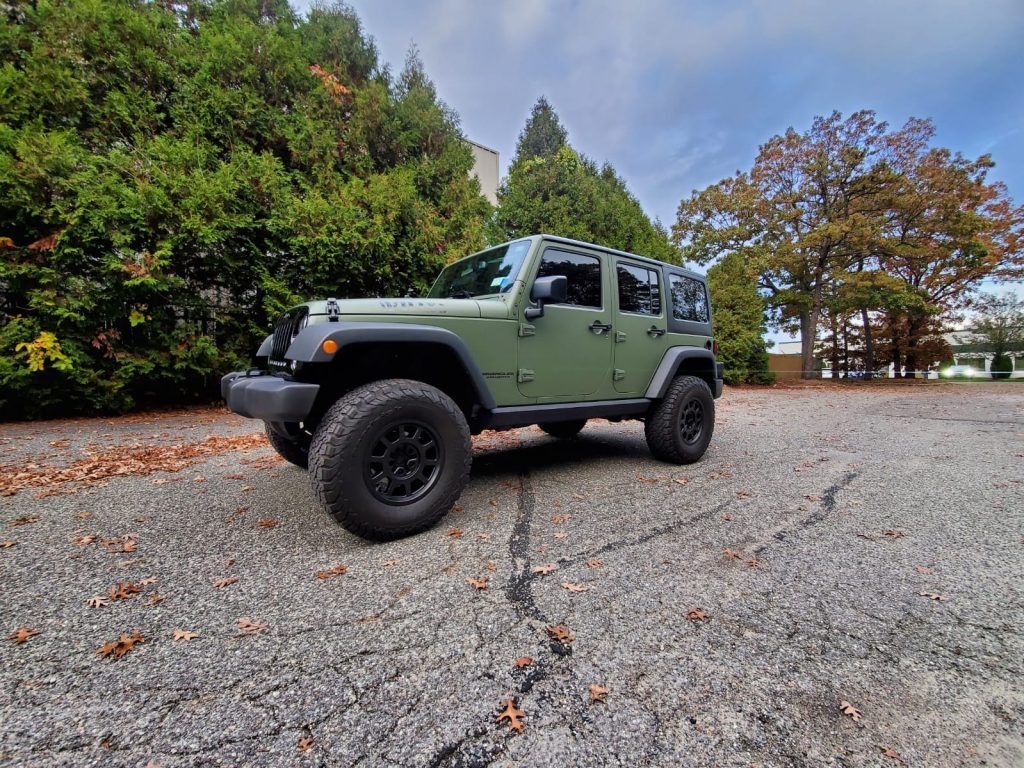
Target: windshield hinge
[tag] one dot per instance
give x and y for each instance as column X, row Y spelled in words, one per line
column 618, row 374
column 525, row 329
column 525, row 374
column 333, row 311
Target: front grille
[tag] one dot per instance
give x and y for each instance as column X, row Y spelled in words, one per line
column 285, row 331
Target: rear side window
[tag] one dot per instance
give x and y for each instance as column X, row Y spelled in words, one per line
column 689, row 299
column 639, row 289
column 583, row 274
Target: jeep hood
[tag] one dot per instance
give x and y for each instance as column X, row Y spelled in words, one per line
column 422, row 307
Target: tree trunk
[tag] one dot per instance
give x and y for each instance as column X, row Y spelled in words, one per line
column 869, row 346
column 846, row 347
column 808, row 334
column 835, row 346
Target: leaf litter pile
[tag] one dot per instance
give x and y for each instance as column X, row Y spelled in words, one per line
column 119, row 461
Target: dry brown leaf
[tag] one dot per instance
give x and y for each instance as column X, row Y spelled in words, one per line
column 579, row 496
column 697, row 614
column 933, row 596
column 82, row 541
column 850, row 710
column 7, row 544
column 561, row 633
column 753, row 562
column 544, row 569
column 524, row 661
column 560, row 534
column 595, row 563
column 560, row 519
column 455, row 533
column 185, row 634
column 892, row 754
column 389, row 563
column 221, row 583
column 25, row 520
column 484, row 536
column 251, row 626
column 598, row 694
column 744, row 494
column 574, row 587
column 97, row 601
column 681, row 480
column 267, row 522
column 148, row 580
column 123, row 590
column 84, row 515
column 727, row 517
column 893, row 534
column 733, row 555
column 330, row 573
column 513, row 714
column 21, row 634
column 233, row 476
column 305, row 743
column 154, row 600
column 115, row 649
column 812, row 497
column 480, row 583
column 491, row 566
column 925, row 571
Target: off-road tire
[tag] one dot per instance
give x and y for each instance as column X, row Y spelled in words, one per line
column 343, row 448
column 564, row 429
column 667, row 435
column 294, row 451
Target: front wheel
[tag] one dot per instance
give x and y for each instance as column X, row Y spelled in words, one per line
column 679, row 428
column 390, row 458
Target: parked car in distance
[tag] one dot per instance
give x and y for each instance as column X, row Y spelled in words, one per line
column 960, row 372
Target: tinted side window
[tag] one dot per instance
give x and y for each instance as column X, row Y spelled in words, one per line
column 582, row 272
column 689, row 300
column 639, row 290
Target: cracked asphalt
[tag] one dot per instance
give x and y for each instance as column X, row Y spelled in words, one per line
column 838, row 509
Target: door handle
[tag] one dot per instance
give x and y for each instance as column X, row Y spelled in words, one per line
column 656, row 331
column 598, row 327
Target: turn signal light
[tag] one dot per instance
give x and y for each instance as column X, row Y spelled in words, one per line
column 330, row 346
column 714, row 348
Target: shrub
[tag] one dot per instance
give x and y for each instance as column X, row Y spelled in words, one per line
column 1001, row 367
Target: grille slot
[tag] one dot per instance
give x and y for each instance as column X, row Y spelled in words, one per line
column 287, row 328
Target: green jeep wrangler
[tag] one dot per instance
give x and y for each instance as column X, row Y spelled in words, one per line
column 379, row 397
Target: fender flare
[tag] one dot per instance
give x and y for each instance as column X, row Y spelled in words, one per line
column 670, row 364
column 308, row 345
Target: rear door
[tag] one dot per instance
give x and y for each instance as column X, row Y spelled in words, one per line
column 640, row 324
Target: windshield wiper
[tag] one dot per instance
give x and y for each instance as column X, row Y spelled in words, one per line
column 460, row 295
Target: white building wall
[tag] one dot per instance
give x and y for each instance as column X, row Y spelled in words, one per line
column 485, row 168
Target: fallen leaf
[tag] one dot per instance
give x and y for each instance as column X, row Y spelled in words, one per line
column 84, row 515
column 545, row 569
column 932, row 596
column 925, row 571
column 7, row 544
column 484, row 536
column 894, row 534
column 681, row 480
column 595, row 563
column 697, row 614
column 560, row 519
column 598, row 693
column 227, row 582
column 892, row 754
column 491, row 566
column 513, row 714
column 753, row 562
column 743, row 494
column 524, row 661
column 148, row 580
column 812, row 497
column 251, row 626
column 850, row 710
column 480, row 583
column 574, row 587
column 734, row 555
column 579, row 496
column 118, row 648
column 123, row 590
column 560, row 534
column 455, row 533
column 154, row 600
column 727, row 517
column 97, row 601
column 82, row 541
column 267, row 522
column 229, row 562
column 330, row 573
column 389, row 563
column 26, row 520
column 233, row 476
column 561, row 633
column 305, row 743
column 185, row 634
column 21, row 634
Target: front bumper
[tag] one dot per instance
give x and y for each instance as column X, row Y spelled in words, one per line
column 271, row 398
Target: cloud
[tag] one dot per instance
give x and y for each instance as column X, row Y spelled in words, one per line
column 679, row 94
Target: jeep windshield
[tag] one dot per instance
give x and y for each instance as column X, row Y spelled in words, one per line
column 487, row 273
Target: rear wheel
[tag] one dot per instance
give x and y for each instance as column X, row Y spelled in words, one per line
column 679, row 427
column 390, row 458
column 295, row 450
column 564, row 429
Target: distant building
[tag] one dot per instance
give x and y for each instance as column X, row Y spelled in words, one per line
column 785, row 360
column 485, row 168
column 971, row 349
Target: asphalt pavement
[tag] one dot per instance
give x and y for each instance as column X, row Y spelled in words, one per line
column 837, row 583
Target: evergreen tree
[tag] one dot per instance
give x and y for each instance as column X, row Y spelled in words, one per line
column 543, row 134
column 739, row 321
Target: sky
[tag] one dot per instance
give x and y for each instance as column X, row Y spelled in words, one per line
column 677, row 94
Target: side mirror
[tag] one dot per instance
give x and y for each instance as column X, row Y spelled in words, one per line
column 547, row 290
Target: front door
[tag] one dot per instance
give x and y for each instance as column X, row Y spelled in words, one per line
column 640, row 325
column 566, row 353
